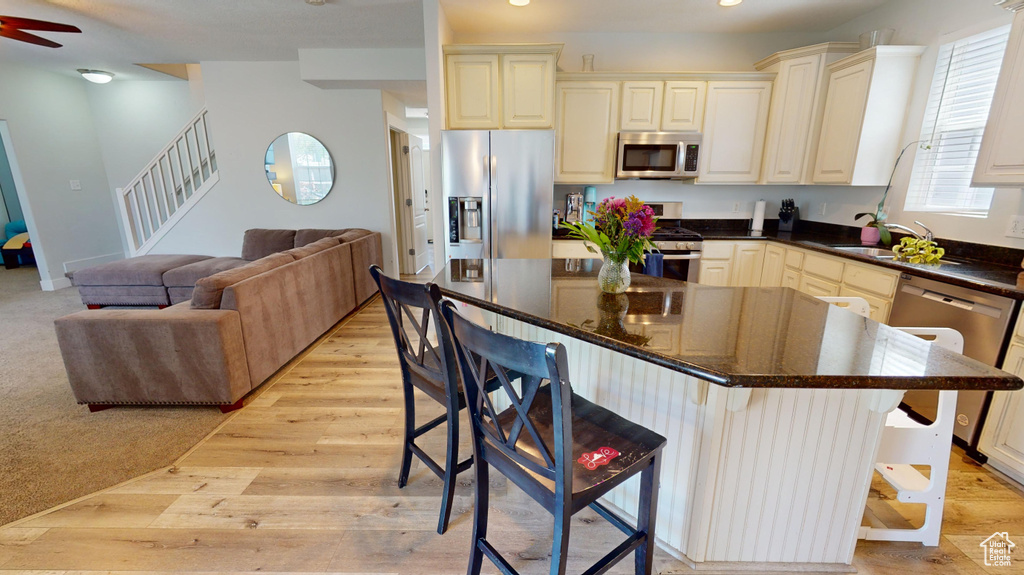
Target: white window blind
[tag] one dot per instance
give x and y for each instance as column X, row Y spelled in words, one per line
column 954, row 122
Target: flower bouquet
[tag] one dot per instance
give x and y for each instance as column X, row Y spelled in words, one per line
column 621, row 231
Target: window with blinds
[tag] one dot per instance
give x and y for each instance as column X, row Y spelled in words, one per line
column 954, row 122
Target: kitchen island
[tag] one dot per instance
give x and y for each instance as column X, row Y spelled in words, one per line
column 773, row 402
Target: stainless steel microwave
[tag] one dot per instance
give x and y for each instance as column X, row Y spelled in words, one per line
column 658, row 155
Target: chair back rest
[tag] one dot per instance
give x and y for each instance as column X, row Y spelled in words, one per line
column 945, row 337
column 857, row 305
column 414, row 315
column 482, row 353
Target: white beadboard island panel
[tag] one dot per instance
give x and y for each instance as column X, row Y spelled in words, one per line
column 769, row 479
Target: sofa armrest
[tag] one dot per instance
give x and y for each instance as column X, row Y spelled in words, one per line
column 147, row 357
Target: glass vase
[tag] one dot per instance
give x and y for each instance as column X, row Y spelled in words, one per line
column 614, row 274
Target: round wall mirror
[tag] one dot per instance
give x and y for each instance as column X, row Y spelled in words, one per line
column 299, row 168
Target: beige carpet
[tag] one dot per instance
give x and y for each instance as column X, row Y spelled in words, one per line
column 53, row 450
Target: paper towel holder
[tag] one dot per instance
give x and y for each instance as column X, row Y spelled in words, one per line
column 757, row 221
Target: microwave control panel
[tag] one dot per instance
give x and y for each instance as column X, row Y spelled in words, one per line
column 690, row 160
column 453, row 220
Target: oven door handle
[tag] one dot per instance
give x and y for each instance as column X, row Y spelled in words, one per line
column 682, row 257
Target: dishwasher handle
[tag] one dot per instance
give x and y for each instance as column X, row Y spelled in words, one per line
column 966, row 305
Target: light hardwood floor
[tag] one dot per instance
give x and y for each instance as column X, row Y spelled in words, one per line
column 303, row 480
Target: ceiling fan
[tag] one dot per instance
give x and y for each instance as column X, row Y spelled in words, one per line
column 13, row 28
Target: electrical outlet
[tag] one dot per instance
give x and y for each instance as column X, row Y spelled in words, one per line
column 1015, row 228
column 76, row 185
column 823, row 206
column 735, row 207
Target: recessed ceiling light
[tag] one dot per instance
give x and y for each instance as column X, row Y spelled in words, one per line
column 315, row 2
column 729, row 2
column 519, row 2
column 96, row 76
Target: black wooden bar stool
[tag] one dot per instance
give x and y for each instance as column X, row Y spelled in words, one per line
column 432, row 369
column 410, row 309
column 561, row 449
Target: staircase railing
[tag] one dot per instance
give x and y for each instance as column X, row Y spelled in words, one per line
column 170, row 186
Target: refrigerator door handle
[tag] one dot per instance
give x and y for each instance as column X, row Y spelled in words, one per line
column 493, row 212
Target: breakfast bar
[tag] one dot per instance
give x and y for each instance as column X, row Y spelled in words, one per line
column 773, row 402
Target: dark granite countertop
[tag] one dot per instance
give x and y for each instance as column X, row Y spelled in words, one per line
column 734, row 337
column 989, row 269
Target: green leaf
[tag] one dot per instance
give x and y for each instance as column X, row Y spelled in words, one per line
column 883, row 232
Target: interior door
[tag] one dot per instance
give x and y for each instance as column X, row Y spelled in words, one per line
column 417, row 210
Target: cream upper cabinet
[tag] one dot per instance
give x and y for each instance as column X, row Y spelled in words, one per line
column 735, row 120
column 1001, row 157
column 527, row 93
column 792, row 110
column 865, row 107
column 472, row 91
column 683, row 106
column 492, row 86
column 586, row 125
column 641, row 106
column 798, row 100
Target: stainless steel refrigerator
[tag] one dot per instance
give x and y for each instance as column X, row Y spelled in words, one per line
column 498, row 191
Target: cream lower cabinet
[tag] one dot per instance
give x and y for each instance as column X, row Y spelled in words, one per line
column 738, row 263
column 1002, row 438
column 586, row 126
column 572, row 249
column 774, row 266
column 1001, row 156
column 732, row 263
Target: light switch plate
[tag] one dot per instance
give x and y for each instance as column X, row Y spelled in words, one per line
column 76, row 185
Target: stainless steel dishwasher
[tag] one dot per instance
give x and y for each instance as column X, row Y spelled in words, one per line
column 982, row 318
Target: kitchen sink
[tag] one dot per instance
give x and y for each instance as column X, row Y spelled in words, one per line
column 881, row 253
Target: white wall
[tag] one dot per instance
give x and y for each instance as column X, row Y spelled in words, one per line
column 436, row 33
column 53, row 139
column 250, row 104
column 134, row 121
column 928, row 23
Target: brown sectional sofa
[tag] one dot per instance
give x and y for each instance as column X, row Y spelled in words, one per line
column 240, row 326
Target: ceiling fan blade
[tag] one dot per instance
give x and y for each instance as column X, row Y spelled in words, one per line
column 41, row 25
column 15, row 34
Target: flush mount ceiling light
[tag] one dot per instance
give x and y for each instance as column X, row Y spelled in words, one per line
column 315, row 2
column 96, row 76
column 729, row 2
column 519, row 2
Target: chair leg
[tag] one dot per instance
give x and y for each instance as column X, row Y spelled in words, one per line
column 646, row 515
column 451, row 470
column 560, row 543
column 482, row 488
column 410, row 434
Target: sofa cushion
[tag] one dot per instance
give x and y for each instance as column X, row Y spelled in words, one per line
column 187, row 276
column 147, row 270
column 180, row 294
column 208, row 291
column 123, row 295
column 308, row 236
column 354, row 234
column 315, row 247
column 258, row 243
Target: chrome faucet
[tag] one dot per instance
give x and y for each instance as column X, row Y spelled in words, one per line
column 928, row 235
